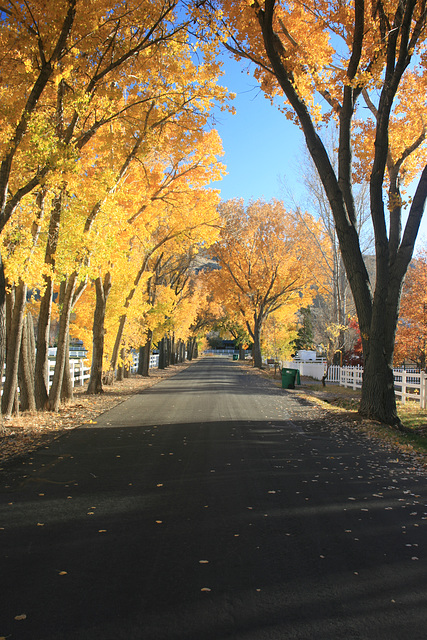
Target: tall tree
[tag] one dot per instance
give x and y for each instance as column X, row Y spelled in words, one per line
column 84, row 91
column 266, row 263
column 329, row 50
column 411, row 337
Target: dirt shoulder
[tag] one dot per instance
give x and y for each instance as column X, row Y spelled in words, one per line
column 339, row 406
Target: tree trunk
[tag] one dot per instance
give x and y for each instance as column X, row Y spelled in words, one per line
column 191, row 348
column 61, row 356
column 144, row 356
column 98, row 331
column 26, row 366
column 42, row 365
column 378, row 399
column 13, row 349
column 255, row 334
column 241, row 352
column 67, row 387
column 121, row 368
column 161, row 364
column 41, row 383
column 2, row 321
column 172, row 350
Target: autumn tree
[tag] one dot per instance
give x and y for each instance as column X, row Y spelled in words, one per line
column 266, row 264
column 411, row 337
column 332, row 308
column 99, row 76
column 321, row 57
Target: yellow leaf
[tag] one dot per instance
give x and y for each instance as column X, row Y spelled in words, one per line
column 23, row 616
column 62, row 573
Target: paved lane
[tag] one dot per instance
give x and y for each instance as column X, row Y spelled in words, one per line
column 213, row 506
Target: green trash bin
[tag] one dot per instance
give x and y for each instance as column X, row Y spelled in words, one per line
column 235, row 356
column 289, row 377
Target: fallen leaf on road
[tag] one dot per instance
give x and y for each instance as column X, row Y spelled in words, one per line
column 102, row 531
column 23, row 616
column 205, row 589
column 62, row 573
column 203, row 561
column 159, row 521
column 40, row 524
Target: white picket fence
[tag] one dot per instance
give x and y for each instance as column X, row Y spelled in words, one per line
column 409, row 384
column 80, row 371
column 314, row 370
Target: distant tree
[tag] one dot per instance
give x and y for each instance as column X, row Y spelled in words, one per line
column 411, row 337
column 304, row 339
column 266, row 264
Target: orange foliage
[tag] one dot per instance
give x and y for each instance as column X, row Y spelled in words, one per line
column 411, row 336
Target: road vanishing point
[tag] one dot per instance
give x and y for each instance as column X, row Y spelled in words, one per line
column 213, row 506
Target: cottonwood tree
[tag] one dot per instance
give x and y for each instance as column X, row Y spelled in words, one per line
column 332, row 308
column 99, row 74
column 266, row 264
column 411, row 336
column 321, row 56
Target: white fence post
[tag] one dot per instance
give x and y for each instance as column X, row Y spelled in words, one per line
column 423, row 390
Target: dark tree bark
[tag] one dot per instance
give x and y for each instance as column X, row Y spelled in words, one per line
column 162, row 363
column 13, row 349
column 62, row 356
column 2, row 320
column 26, row 366
column 41, row 385
column 121, row 368
column 67, row 387
column 190, row 347
column 102, row 289
column 167, row 351
column 144, row 356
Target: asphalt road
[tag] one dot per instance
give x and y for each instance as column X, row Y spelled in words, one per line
column 213, row 506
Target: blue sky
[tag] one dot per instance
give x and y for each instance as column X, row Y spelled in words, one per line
column 261, row 145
